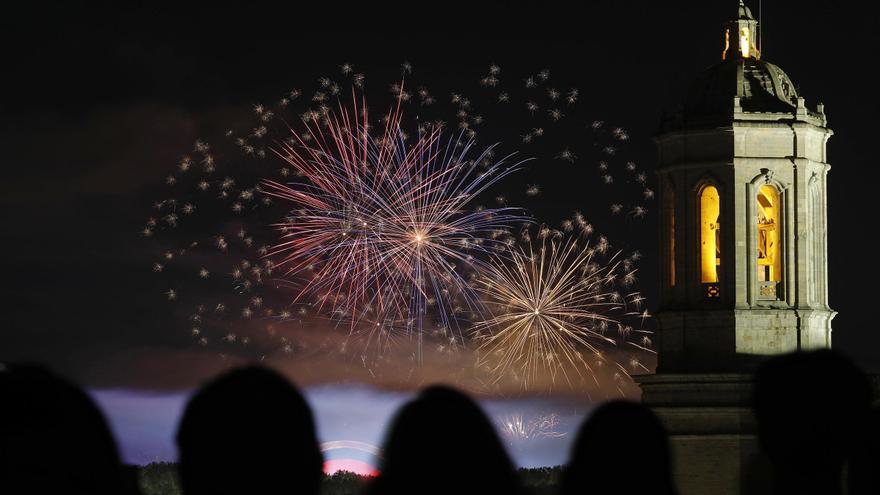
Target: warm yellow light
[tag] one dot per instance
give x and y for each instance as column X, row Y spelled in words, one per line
column 726, row 44
column 710, row 234
column 744, row 43
column 769, row 252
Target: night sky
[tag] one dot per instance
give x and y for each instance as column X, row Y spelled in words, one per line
column 100, row 102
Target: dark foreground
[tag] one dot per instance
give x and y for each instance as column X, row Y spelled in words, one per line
column 250, row 431
column 160, row 478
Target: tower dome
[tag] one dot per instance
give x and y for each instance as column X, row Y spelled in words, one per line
column 759, row 85
column 740, row 82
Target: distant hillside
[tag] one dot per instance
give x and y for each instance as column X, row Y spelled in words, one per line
column 160, row 478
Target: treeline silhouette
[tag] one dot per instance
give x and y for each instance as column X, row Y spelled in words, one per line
column 160, row 478
column 250, row 431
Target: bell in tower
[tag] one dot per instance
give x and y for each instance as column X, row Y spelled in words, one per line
column 742, row 170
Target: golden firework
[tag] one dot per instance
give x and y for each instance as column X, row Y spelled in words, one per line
column 553, row 306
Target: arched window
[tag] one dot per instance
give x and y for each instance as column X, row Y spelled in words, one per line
column 769, row 238
column 710, row 234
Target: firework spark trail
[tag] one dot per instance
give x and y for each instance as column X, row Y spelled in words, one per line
column 549, row 306
column 516, row 427
column 385, row 226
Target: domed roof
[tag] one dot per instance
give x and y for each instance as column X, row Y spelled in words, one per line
column 742, row 80
column 760, row 86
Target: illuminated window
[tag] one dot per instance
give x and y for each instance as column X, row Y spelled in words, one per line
column 769, row 253
column 710, row 234
column 744, row 42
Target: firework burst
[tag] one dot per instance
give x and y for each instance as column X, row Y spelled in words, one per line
column 383, row 231
column 379, row 227
column 553, row 308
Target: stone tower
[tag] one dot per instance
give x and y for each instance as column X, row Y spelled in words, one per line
column 742, row 188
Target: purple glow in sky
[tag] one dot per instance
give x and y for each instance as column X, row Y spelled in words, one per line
column 145, row 423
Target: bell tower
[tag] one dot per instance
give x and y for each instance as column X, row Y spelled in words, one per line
column 742, row 172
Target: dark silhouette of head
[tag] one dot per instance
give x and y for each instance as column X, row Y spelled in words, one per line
column 864, row 470
column 601, row 460
column 810, row 408
column 248, row 432
column 53, row 439
column 442, row 443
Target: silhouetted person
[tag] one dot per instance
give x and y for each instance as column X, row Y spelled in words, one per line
column 810, row 407
column 621, row 448
column 864, row 470
column 53, row 439
column 442, row 443
column 249, row 432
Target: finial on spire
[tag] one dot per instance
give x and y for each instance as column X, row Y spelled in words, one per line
column 744, row 12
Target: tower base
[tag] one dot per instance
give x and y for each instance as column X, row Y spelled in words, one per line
column 712, row 433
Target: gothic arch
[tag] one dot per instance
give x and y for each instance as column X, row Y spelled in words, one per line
column 767, row 177
column 708, row 179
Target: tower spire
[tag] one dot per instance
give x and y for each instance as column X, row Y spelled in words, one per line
column 744, row 12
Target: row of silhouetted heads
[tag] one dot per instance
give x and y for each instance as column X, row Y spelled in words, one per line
column 250, row 431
